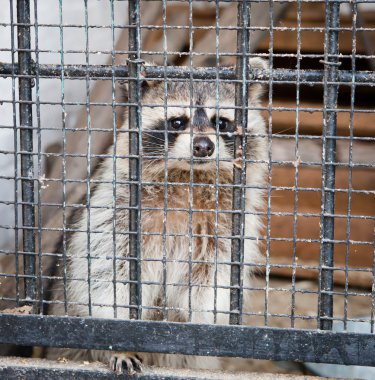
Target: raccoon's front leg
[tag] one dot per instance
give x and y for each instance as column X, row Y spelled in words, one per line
column 119, row 362
column 127, row 361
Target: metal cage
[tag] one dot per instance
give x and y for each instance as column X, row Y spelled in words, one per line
column 342, row 80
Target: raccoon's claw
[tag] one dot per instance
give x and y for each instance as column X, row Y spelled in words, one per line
column 125, row 362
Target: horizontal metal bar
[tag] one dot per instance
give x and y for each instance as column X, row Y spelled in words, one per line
column 210, row 73
column 20, row 368
column 190, row 339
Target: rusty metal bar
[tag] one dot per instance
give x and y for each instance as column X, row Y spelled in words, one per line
column 239, row 174
column 209, row 73
column 134, row 64
column 25, row 83
column 327, row 231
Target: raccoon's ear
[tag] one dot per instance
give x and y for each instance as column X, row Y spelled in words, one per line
column 123, row 86
column 256, row 89
column 146, row 84
column 149, row 83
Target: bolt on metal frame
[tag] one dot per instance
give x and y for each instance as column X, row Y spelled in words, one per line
column 244, row 341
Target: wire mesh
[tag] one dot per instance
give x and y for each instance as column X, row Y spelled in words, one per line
column 142, row 180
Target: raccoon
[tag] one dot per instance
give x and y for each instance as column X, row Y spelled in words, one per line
column 187, row 161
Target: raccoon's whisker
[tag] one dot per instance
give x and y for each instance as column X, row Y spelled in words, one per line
column 154, row 140
column 153, row 155
column 153, row 143
column 161, row 133
column 152, row 136
column 152, row 150
column 154, row 146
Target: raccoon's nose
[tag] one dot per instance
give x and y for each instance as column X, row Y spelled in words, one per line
column 203, row 147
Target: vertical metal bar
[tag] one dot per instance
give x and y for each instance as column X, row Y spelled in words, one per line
column 134, row 160
column 15, row 145
column 217, row 175
column 270, row 142
column 331, row 50
column 114, row 163
column 350, row 160
column 296, row 175
column 191, row 174
column 239, row 175
column 64, row 149
column 26, row 146
column 165, row 206
column 39, row 155
column 88, row 158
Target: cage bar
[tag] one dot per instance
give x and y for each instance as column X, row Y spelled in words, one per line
column 64, row 158
column 26, row 145
column 114, row 167
column 191, row 174
column 328, row 168
column 296, row 174
column 173, row 72
column 134, row 63
column 40, row 288
column 263, row 339
column 217, row 100
column 88, row 160
column 189, row 339
column 165, row 195
column 239, row 174
column 354, row 10
column 16, row 165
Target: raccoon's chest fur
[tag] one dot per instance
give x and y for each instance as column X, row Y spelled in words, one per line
column 182, row 244
column 192, row 215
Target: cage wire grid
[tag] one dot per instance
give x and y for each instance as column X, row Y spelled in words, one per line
column 30, row 184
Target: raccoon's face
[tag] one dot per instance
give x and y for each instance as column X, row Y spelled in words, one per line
column 191, row 125
column 189, row 134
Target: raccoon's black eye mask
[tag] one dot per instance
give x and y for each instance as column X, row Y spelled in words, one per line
column 154, row 138
column 178, row 123
column 222, row 124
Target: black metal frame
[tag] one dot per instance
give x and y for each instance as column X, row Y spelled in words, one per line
column 26, row 145
column 190, row 339
column 255, row 342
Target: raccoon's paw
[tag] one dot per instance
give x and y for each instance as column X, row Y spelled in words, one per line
column 126, row 362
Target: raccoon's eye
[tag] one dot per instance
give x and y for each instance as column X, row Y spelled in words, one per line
column 224, row 124
column 177, row 123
